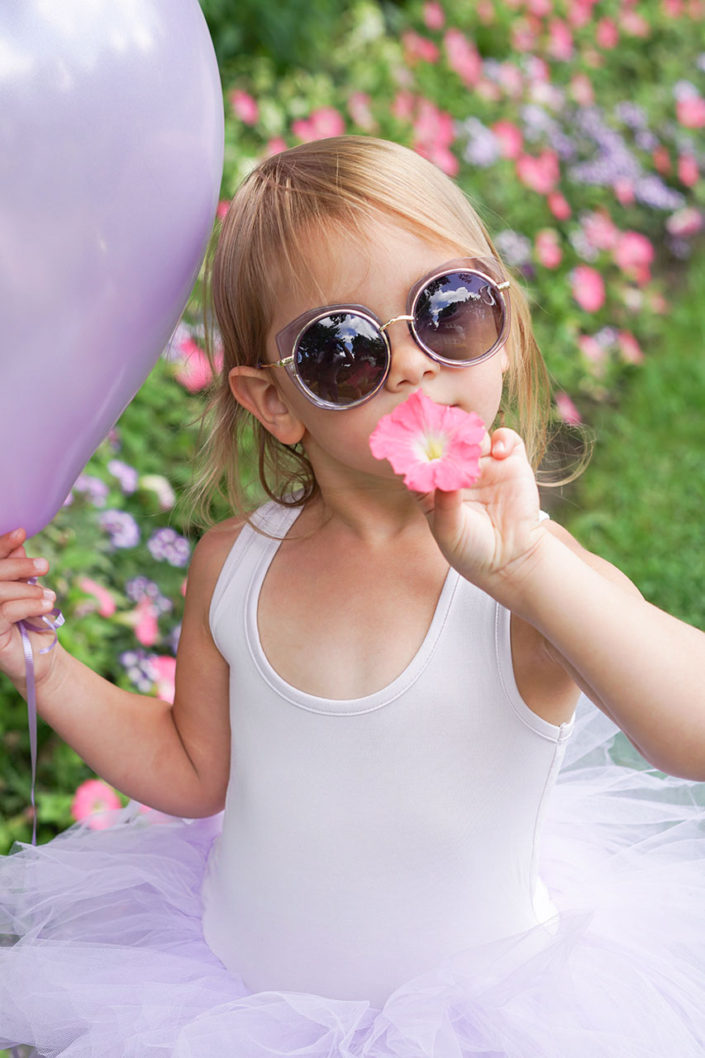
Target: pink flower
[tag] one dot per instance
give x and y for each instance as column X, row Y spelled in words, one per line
column 418, row 48
column 560, row 45
column 567, row 410
column 320, row 125
column 581, row 90
column 165, row 667
column 685, row 222
column 594, row 353
column 509, row 137
column 244, row 107
column 145, row 620
column 433, row 15
column 359, row 110
column 690, row 111
column 223, row 209
column 662, row 159
column 607, row 33
column 433, row 135
column 463, row 57
column 635, row 24
column 634, row 254
column 539, row 173
column 403, row 106
column 91, row 803
column 194, row 370
column 688, row 170
column 588, row 288
column 559, row 206
column 630, row 348
column 106, row 603
column 624, row 191
column 548, row 250
column 433, row 446
column 599, row 230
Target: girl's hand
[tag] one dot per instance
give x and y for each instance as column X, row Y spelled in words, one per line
column 488, row 532
column 21, row 601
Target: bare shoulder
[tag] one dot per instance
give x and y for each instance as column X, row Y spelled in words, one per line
column 209, row 556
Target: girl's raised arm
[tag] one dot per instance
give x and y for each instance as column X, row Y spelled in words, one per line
column 172, row 758
column 643, row 667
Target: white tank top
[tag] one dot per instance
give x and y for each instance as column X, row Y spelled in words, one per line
column 364, row 840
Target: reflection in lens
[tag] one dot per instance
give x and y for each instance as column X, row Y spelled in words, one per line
column 459, row 316
column 341, row 358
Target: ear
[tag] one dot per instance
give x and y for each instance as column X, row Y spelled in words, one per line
column 255, row 389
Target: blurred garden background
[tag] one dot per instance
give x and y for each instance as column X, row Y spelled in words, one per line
column 577, row 128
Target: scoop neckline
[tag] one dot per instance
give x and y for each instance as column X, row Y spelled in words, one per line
column 280, row 525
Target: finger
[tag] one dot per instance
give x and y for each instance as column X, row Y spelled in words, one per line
column 10, row 541
column 15, row 590
column 505, row 442
column 22, row 609
column 22, row 568
column 426, row 502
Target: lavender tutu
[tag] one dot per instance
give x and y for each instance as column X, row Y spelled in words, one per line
column 104, row 957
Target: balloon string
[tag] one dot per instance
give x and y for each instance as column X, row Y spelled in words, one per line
column 53, row 621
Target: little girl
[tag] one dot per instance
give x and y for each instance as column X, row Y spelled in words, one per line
column 375, row 692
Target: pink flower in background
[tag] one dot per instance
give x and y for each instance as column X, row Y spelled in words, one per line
column 359, row 110
column 194, row 369
column 599, row 230
column 433, row 15
column 433, row 135
column 607, row 33
column 588, row 288
column 144, row 617
column 548, row 250
column 539, row 173
column 244, row 107
column 581, row 90
column 688, row 170
column 433, row 446
column 630, row 348
column 624, row 191
column 595, row 354
column 559, row 206
column 662, row 159
column 223, row 209
column 463, row 57
column 91, row 803
column 539, row 8
column 165, row 668
column 685, row 223
column 274, row 146
column 567, row 410
column 690, row 111
column 418, row 48
column 560, row 44
column 525, row 33
column 509, row 137
column 403, row 106
column 320, row 125
column 634, row 254
column 106, row 603
column 634, row 24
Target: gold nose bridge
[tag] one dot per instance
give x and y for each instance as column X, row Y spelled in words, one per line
column 395, row 319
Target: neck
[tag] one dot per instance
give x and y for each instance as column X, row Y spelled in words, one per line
column 375, row 512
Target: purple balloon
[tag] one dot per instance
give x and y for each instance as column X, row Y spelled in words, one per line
column 111, row 152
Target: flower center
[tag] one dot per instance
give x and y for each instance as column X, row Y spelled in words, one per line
column 432, row 446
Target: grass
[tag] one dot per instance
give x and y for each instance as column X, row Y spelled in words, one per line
column 641, row 502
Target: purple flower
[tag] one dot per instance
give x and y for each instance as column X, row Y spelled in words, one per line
column 515, row 248
column 140, row 588
column 651, row 191
column 139, row 669
column 122, row 528
column 93, row 488
column 631, row 114
column 483, row 146
column 126, row 475
column 165, row 545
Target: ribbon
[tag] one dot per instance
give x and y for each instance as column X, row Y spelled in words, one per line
column 53, row 621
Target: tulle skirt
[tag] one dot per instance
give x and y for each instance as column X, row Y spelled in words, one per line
column 103, row 955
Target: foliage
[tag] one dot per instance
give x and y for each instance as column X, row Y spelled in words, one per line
column 573, row 129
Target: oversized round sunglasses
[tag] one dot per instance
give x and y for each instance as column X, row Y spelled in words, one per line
column 340, row 355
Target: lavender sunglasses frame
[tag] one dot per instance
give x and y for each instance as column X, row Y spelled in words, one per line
column 288, row 338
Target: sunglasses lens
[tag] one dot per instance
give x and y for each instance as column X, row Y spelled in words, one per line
column 341, row 358
column 459, row 316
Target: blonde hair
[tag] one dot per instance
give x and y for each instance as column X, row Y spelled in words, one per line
column 328, row 185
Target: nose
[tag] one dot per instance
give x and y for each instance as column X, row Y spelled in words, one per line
column 410, row 365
